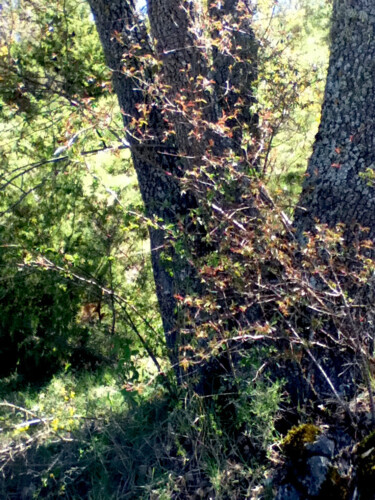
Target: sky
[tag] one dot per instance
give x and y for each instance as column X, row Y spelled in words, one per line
column 141, row 5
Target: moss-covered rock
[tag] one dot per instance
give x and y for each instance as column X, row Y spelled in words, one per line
column 294, row 442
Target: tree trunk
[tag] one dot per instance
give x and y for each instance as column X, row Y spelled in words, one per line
column 187, row 67
column 120, row 28
column 337, row 188
column 334, row 190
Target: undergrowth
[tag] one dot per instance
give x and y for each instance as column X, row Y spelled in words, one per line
column 82, row 437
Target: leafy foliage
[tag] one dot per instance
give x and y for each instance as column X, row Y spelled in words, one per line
column 68, row 237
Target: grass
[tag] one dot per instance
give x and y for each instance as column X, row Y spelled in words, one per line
column 92, row 440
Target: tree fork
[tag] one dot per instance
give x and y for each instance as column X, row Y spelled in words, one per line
column 160, row 164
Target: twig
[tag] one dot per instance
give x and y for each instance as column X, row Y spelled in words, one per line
column 341, row 402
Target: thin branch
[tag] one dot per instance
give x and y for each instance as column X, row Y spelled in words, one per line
column 45, row 263
column 26, row 193
column 339, row 399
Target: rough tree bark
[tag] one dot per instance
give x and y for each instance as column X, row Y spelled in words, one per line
column 334, row 190
column 160, row 164
column 180, row 46
column 337, row 188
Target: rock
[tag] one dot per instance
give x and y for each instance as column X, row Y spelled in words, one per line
column 287, row 492
column 322, row 446
column 317, row 469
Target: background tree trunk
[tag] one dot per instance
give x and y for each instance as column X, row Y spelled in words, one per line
column 334, row 191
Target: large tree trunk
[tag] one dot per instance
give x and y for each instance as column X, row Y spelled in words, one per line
column 120, row 28
column 337, row 188
column 160, row 164
column 334, row 191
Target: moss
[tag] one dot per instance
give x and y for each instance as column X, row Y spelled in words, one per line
column 293, row 445
column 366, row 467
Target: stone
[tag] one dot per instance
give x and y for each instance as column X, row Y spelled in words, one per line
column 317, row 468
column 323, row 446
column 288, row 492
